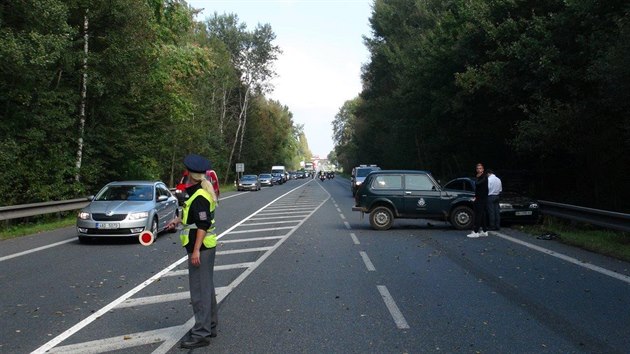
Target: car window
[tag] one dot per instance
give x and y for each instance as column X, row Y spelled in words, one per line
column 163, row 191
column 362, row 172
column 418, row 183
column 456, row 185
column 387, row 182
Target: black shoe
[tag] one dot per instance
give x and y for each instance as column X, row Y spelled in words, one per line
column 194, row 343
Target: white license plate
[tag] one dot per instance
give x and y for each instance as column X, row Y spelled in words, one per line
column 107, row 225
column 521, row 213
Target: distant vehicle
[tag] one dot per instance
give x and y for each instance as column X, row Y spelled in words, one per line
column 276, row 178
column 265, row 179
column 300, row 174
column 387, row 195
column 281, row 170
column 126, row 209
column 248, row 183
column 513, row 207
column 358, row 176
column 211, row 176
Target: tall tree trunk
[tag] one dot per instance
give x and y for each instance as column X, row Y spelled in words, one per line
column 83, row 97
column 241, row 118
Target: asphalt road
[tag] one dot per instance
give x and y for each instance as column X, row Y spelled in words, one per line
column 298, row 271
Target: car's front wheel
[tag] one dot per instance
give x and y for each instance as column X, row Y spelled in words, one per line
column 381, row 218
column 462, row 217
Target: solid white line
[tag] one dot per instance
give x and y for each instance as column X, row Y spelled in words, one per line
column 367, row 261
column 575, row 261
column 271, row 223
column 36, row 249
column 232, row 266
column 347, row 225
column 245, row 250
column 277, row 217
column 119, row 342
column 355, row 239
column 257, row 230
column 285, row 213
column 398, row 317
column 253, row 239
column 157, row 299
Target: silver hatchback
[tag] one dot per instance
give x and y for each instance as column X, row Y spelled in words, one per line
column 127, row 209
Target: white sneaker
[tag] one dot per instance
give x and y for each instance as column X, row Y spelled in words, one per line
column 472, row 235
column 483, row 233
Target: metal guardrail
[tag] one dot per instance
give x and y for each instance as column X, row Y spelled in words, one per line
column 603, row 218
column 24, row 210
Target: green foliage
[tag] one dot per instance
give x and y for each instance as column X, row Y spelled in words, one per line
column 519, row 85
column 159, row 86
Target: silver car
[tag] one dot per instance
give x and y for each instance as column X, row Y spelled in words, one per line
column 126, row 209
column 248, row 183
column 265, row 179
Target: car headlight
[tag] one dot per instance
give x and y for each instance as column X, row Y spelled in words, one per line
column 533, row 206
column 83, row 215
column 138, row 216
column 505, row 206
column 358, row 183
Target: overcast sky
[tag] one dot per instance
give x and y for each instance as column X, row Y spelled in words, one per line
column 323, row 51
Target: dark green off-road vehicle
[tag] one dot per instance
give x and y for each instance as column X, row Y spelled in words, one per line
column 387, row 195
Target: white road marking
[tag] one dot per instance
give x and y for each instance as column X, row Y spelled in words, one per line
column 253, row 239
column 355, row 239
column 367, row 261
column 347, row 225
column 575, row 261
column 285, row 213
column 271, row 223
column 277, row 217
column 342, row 216
column 37, row 249
column 338, row 210
column 258, row 230
column 398, row 317
column 245, row 250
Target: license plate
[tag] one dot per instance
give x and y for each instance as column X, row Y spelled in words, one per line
column 107, row 225
column 521, row 213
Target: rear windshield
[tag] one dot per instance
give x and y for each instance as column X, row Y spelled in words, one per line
column 362, row 172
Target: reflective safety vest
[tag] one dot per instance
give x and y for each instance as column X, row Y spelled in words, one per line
column 210, row 240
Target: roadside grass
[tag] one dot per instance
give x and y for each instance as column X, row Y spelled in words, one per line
column 611, row 243
column 36, row 225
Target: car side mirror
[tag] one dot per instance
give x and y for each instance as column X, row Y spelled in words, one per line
column 162, row 198
column 90, row 198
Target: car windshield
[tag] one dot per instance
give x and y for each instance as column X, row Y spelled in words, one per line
column 248, row 178
column 362, row 172
column 265, row 176
column 126, row 192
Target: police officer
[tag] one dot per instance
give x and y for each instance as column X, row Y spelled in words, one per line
column 199, row 239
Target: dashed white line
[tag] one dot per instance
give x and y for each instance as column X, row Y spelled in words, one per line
column 398, row 317
column 355, row 239
column 342, row 216
column 367, row 261
column 347, row 225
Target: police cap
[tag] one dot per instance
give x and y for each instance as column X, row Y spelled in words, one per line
column 196, row 163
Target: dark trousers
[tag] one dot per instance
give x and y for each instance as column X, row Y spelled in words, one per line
column 481, row 218
column 494, row 213
column 202, row 295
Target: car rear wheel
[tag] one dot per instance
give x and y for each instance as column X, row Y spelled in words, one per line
column 462, row 217
column 381, row 218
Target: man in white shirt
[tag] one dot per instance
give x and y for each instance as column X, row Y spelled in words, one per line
column 494, row 189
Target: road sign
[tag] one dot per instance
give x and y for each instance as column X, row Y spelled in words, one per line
column 240, row 167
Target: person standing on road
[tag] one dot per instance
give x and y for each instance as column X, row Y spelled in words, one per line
column 480, row 203
column 200, row 240
column 495, row 187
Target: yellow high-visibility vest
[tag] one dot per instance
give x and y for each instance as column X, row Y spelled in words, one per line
column 210, row 240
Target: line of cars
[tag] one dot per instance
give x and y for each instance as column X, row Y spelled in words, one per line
column 409, row 194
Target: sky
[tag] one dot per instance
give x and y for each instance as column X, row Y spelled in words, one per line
column 323, row 51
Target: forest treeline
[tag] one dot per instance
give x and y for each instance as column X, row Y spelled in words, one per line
column 96, row 91
column 539, row 91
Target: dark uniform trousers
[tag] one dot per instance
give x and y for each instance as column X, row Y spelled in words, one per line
column 203, row 295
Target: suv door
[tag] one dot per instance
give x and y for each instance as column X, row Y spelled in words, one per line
column 422, row 196
column 387, row 187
